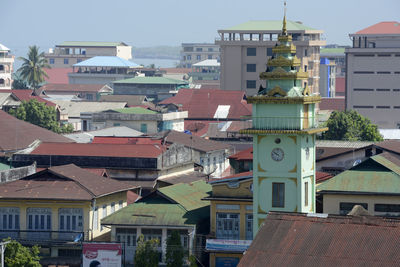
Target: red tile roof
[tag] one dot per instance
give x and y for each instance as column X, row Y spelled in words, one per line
column 243, row 155
column 294, row 239
column 203, row 103
column 385, row 27
column 26, row 95
column 197, row 128
column 57, row 75
column 322, row 176
column 332, row 103
column 62, row 182
column 100, row 150
column 73, row 88
column 126, row 140
column 17, row 134
column 390, row 145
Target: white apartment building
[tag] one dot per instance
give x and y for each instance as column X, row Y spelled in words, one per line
column 67, row 54
column 192, row 53
column 6, row 68
column 245, row 49
column 373, row 74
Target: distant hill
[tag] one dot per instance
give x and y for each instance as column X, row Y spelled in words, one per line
column 163, row 52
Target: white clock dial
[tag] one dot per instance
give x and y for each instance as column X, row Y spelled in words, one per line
column 277, row 154
column 307, row 153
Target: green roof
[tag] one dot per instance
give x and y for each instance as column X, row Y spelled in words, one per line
column 102, row 44
column 268, row 25
column 4, row 166
column 378, row 174
column 135, row 110
column 151, row 80
column 175, row 205
column 332, row 51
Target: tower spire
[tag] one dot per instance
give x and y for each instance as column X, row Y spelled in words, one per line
column 284, row 30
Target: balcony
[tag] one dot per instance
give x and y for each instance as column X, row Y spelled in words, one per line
column 42, row 237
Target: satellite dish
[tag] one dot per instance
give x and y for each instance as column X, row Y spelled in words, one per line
column 356, row 162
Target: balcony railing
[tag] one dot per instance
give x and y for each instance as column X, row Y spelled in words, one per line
column 283, row 123
column 44, row 237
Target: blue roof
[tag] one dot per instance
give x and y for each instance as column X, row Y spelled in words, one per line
column 106, row 61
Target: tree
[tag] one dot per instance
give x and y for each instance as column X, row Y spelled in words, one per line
column 146, row 252
column 41, row 115
column 175, row 252
column 17, row 255
column 18, row 82
column 32, row 67
column 352, row 126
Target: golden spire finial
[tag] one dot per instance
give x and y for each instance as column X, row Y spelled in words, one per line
column 284, row 31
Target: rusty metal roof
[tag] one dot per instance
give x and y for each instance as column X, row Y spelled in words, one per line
column 294, row 239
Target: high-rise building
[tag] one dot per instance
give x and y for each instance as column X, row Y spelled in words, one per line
column 6, row 68
column 284, row 128
column 192, row 53
column 245, row 49
column 373, row 73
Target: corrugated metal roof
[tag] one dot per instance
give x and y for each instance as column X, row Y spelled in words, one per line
column 188, row 195
column 4, row 48
column 294, row 239
column 74, row 108
column 135, row 110
column 384, row 27
column 207, row 63
column 119, row 131
column 151, row 80
column 88, row 44
column 107, row 61
column 344, row 144
column 269, row 25
column 378, row 174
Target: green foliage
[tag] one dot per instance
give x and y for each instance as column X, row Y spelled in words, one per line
column 192, row 261
column 17, row 255
column 32, row 67
column 175, row 252
column 41, row 115
column 351, row 126
column 18, row 82
column 146, row 252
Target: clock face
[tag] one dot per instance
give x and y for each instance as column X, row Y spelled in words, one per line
column 307, row 153
column 277, row 154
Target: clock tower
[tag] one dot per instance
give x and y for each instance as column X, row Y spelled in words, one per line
column 283, row 129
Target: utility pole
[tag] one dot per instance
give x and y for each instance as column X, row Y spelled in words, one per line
column 3, row 248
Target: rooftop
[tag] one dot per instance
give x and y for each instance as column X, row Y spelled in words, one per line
column 269, row 25
column 151, row 80
column 207, row 63
column 59, row 87
column 384, row 27
column 17, row 134
column 75, row 108
column 91, row 43
column 62, row 182
column 118, row 131
column 295, row 239
column 4, row 48
column 107, row 61
column 332, row 51
column 135, row 110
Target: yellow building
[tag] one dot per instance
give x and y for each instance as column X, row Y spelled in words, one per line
column 58, row 208
column 231, row 215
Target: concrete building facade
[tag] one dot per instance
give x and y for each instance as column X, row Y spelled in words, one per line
column 66, row 54
column 327, row 81
column 192, row 53
column 373, row 74
column 6, row 68
column 245, row 49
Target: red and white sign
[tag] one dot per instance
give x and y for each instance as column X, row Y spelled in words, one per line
column 102, row 255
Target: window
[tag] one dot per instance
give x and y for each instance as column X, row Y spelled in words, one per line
column 383, row 72
column 78, row 60
column 363, row 106
column 126, row 236
column 305, row 52
column 115, row 124
column 89, row 97
column 363, row 89
column 39, row 219
column 363, row 72
column 143, row 128
column 383, row 90
column 198, row 57
column 51, row 60
column 199, row 49
column 66, row 61
column 278, row 195
column 383, row 107
column 346, row 207
column 388, row 209
column 210, row 49
column 306, row 194
column 251, row 67
column 227, row 225
column 189, row 57
column 9, row 221
column 95, row 219
column 183, row 236
column 269, row 52
column 251, row 51
column 112, row 207
column 249, row 226
column 209, row 57
column 153, row 234
column 104, row 211
column 120, row 204
column 305, row 67
column 251, row 84
column 70, row 220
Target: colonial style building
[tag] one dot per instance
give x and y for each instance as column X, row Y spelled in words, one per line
column 284, row 128
column 192, row 53
column 246, row 47
column 6, row 67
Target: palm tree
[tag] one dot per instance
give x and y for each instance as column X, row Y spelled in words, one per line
column 32, row 67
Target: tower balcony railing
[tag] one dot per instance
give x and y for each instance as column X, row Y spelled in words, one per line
column 283, row 123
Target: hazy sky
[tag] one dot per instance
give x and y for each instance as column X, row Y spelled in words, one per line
column 171, row 22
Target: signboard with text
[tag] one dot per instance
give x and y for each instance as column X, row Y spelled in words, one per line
column 102, row 255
